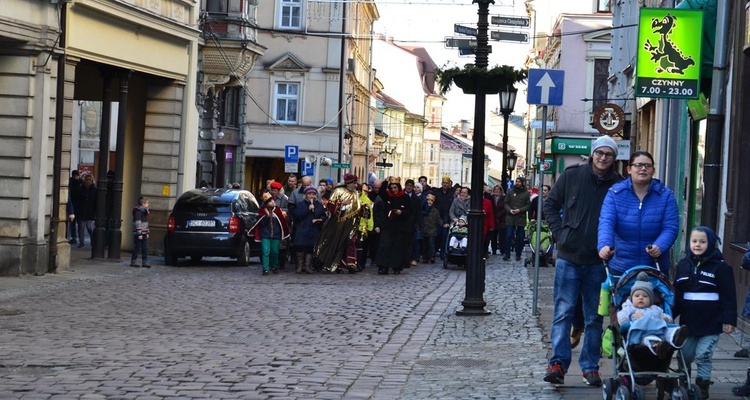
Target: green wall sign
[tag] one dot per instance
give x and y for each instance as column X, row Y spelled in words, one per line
column 669, row 53
column 570, row 146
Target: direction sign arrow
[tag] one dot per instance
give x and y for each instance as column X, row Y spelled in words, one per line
column 461, row 43
column 471, row 51
column 545, row 87
column 545, row 83
column 465, row 30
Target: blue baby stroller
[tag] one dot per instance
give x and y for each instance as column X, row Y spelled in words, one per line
column 455, row 254
column 635, row 364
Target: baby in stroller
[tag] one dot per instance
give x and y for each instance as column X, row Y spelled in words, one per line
column 459, row 234
column 643, row 338
column 647, row 323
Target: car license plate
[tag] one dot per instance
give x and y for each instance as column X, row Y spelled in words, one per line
column 201, row 223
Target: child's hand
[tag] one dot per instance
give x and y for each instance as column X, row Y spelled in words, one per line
column 728, row 329
column 637, row 315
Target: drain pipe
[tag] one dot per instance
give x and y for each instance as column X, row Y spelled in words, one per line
column 52, row 261
column 715, row 126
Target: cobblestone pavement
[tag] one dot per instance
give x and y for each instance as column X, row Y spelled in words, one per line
column 108, row 331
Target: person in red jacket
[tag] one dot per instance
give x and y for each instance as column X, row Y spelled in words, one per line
column 489, row 218
column 270, row 229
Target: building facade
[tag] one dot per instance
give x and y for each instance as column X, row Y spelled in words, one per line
column 311, row 89
column 51, row 59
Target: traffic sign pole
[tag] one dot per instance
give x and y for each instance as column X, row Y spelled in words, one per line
column 540, row 184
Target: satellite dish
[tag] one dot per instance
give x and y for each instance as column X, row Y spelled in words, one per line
column 310, row 159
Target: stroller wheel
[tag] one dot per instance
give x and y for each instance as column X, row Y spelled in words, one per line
column 638, row 394
column 609, row 387
column 680, row 393
column 623, row 393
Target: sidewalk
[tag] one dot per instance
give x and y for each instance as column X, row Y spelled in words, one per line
column 82, row 267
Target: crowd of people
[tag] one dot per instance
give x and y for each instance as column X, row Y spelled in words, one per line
column 338, row 228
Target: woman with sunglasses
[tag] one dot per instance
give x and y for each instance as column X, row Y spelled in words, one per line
column 639, row 219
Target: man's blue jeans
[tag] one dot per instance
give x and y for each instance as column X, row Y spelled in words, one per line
column 570, row 281
column 514, row 235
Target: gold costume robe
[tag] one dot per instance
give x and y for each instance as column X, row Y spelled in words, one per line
column 337, row 242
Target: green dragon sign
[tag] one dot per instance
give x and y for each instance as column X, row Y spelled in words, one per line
column 669, row 53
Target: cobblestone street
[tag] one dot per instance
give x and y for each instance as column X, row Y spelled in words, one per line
column 213, row 331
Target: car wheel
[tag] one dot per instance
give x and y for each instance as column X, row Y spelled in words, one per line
column 196, row 258
column 243, row 256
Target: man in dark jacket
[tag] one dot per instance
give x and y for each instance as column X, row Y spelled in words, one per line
column 517, row 203
column 443, row 199
column 84, row 202
column 578, row 195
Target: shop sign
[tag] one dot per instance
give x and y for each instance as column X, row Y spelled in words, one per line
column 669, row 55
column 570, row 146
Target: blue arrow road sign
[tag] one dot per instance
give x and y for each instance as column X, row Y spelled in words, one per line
column 291, row 154
column 545, row 87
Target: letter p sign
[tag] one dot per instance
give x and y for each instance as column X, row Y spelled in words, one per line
column 291, row 154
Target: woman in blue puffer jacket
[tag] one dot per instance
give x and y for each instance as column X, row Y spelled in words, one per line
column 639, row 219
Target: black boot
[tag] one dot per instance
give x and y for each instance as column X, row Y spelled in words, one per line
column 743, row 390
column 703, row 385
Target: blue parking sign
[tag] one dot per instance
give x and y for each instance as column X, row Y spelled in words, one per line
column 291, row 153
column 308, row 169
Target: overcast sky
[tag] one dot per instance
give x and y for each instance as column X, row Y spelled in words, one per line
column 427, row 23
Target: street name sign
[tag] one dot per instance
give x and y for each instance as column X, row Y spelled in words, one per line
column 669, row 55
column 384, row 164
column 460, row 42
column 518, row 22
column 340, row 165
column 545, row 87
column 465, row 30
column 506, row 36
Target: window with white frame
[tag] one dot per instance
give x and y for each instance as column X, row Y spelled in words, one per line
column 291, row 14
column 286, row 99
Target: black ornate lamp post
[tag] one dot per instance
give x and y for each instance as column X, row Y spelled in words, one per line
column 507, row 103
column 474, row 302
column 512, row 158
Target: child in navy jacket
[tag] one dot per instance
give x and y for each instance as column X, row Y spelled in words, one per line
column 706, row 301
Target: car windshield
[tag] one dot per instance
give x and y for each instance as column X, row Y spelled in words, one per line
column 202, row 207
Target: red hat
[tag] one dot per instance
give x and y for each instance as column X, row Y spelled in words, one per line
column 275, row 185
column 350, row 178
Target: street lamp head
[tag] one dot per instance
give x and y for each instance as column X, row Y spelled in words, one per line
column 512, row 158
column 508, row 100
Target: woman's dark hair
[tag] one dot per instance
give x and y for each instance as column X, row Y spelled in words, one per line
column 641, row 153
column 398, row 185
column 468, row 189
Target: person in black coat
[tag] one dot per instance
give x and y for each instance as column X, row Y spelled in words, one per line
column 84, row 203
column 705, row 300
column 395, row 230
column 309, row 215
column 444, row 196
